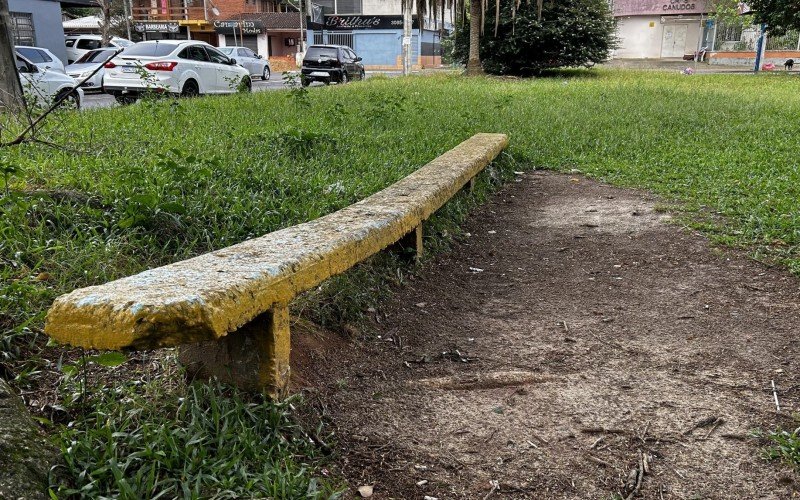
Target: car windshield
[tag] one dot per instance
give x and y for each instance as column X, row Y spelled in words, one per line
column 321, row 53
column 122, row 42
column 95, row 56
column 226, row 50
column 150, row 49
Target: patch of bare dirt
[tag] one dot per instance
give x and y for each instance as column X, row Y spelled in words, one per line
column 576, row 345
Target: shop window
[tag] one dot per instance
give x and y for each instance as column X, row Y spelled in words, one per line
column 22, row 28
column 348, row 6
column 328, row 6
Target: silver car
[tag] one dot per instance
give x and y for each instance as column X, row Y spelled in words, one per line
column 246, row 58
column 87, row 63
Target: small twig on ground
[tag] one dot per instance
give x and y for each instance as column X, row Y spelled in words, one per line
column 495, row 486
column 539, row 438
column 643, row 436
column 566, row 328
column 597, row 441
column 701, row 423
column 640, row 475
column 775, row 394
column 714, row 426
column 599, row 461
column 601, row 430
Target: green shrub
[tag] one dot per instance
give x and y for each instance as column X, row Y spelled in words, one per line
column 570, row 33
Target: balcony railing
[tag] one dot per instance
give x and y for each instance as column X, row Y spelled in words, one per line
column 167, row 13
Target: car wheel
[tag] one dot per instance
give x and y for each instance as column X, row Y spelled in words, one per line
column 265, row 74
column 343, row 79
column 190, row 89
column 363, row 75
column 246, row 85
column 305, row 82
column 71, row 102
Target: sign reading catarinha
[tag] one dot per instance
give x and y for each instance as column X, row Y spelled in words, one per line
column 243, row 27
column 156, row 27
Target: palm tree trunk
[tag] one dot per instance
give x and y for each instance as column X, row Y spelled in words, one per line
column 474, row 61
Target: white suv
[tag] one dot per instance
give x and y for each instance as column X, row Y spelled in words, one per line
column 78, row 45
column 181, row 67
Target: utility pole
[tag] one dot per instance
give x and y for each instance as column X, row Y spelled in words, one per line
column 406, row 37
column 761, row 46
column 10, row 87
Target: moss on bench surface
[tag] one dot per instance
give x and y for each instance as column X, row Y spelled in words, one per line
column 209, row 296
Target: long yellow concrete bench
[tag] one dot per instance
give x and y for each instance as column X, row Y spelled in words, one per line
column 229, row 308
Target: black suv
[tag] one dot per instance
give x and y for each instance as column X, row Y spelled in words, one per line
column 331, row 63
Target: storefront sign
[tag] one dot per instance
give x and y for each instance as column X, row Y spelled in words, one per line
column 243, row 27
column 156, row 27
column 357, row 22
column 679, row 6
column 659, row 7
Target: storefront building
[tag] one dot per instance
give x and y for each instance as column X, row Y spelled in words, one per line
column 377, row 39
column 271, row 34
column 661, row 29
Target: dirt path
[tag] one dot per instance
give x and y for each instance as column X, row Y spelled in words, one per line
column 573, row 333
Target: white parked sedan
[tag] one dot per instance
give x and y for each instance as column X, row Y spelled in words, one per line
column 89, row 62
column 45, row 87
column 248, row 59
column 180, row 67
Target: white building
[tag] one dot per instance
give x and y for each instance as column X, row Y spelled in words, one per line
column 661, row 29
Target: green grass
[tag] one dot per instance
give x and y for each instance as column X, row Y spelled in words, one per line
column 149, row 184
column 785, row 446
column 194, row 441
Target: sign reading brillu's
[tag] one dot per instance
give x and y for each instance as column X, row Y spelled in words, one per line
column 360, row 22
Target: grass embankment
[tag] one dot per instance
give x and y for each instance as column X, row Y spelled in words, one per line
column 154, row 183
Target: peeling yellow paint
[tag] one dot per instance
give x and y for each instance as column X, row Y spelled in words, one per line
column 209, row 296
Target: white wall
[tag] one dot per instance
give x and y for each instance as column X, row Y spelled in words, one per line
column 640, row 37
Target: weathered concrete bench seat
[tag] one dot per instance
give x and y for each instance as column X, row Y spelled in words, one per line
column 246, row 288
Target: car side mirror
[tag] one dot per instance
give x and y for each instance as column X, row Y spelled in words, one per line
column 232, row 61
column 357, row 59
column 260, row 56
column 28, row 69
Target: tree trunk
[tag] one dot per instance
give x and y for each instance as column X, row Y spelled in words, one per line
column 105, row 22
column 475, row 19
column 10, row 88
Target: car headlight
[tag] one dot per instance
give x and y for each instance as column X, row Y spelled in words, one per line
column 86, row 73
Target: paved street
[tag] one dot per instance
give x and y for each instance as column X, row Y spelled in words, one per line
column 99, row 100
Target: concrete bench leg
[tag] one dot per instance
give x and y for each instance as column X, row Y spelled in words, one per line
column 254, row 358
column 412, row 240
column 471, row 185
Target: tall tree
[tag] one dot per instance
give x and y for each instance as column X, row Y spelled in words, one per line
column 475, row 23
column 780, row 16
column 10, row 88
